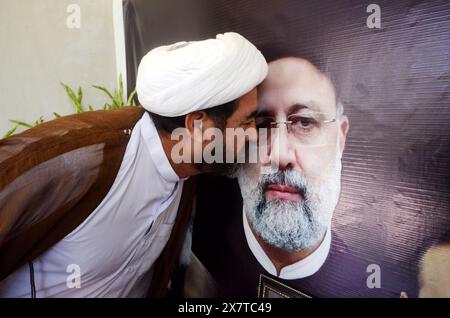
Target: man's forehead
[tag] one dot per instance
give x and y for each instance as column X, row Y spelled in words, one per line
column 292, row 67
column 283, row 98
column 293, row 81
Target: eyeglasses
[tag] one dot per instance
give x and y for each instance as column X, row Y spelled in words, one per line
column 309, row 129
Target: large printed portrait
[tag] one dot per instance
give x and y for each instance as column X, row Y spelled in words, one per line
column 352, row 197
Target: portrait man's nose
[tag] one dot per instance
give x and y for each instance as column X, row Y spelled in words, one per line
column 281, row 152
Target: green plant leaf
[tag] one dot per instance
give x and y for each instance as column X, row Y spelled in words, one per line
column 105, row 91
column 21, row 123
column 10, row 132
column 117, row 102
column 79, row 105
column 70, row 92
column 76, row 101
column 80, row 95
column 91, row 108
column 120, row 97
column 39, row 121
column 130, row 101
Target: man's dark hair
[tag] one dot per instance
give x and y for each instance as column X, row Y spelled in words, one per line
column 219, row 114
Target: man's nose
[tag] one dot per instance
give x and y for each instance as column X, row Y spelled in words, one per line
column 282, row 153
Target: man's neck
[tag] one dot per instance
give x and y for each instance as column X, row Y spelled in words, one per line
column 183, row 170
column 281, row 258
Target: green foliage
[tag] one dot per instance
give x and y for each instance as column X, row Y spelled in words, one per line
column 131, row 100
column 116, row 97
column 116, row 101
column 23, row 124
column 76, row 99
column 10, row 132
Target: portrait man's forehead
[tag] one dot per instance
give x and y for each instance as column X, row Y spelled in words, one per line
column 295, row 81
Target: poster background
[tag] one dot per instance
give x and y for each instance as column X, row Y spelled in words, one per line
column 394, row 83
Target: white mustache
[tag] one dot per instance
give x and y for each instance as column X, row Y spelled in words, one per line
column 289, row 178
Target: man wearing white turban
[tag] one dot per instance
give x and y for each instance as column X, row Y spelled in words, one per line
column 212, row 81
column 93, row 211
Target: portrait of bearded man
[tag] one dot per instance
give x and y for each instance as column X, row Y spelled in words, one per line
column 276, row 220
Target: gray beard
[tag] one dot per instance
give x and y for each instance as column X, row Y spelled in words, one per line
column 290, row 225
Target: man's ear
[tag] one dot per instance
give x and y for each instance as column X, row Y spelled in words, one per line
column 194, row 123
column 343, row 130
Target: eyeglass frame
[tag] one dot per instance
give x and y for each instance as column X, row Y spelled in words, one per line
column 339, row 114
column 288, row 123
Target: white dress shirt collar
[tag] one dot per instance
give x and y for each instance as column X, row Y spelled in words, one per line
column 154, row 145
column 303, row 268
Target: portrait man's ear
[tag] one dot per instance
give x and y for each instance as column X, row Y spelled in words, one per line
column 343, row 130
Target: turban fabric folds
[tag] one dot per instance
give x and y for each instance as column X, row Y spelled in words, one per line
column 177, row 79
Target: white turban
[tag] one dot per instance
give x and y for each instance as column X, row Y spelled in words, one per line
column 177, row 79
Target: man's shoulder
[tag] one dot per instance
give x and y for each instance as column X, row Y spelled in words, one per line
column 54, row 175
column 342, row 268
column 62, row 138
column 65, row 130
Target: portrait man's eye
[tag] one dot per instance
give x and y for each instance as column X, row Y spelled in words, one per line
column 304, row 123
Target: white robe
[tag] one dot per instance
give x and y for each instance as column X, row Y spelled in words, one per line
column 115, row 248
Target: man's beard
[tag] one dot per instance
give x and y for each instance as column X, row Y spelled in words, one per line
column 225, row 169
column 291, row 225
column 218, row 169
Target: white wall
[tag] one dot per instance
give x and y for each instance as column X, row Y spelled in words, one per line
column 38, row 50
